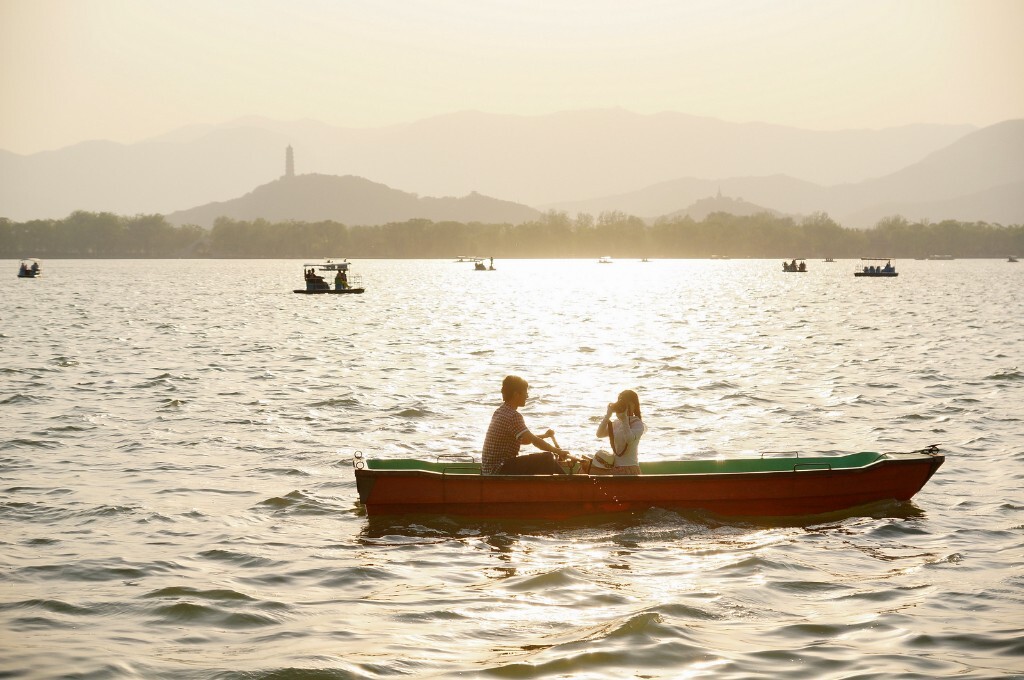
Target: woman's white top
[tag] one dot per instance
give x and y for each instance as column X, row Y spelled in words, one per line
column 627, row 430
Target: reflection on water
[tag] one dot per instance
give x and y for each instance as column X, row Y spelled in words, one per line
column 178, row 497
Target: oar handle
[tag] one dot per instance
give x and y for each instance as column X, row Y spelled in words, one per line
column 572, row 460
column 554, row 441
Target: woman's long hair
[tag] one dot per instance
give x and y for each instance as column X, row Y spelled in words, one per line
column 631, row 401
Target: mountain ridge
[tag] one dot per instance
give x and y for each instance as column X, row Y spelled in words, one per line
column 532, row 160
column 352, row 201
column 968, row 177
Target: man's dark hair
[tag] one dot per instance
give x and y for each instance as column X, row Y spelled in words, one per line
column 512, row 384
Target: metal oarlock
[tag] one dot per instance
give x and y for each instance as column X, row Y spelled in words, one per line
column 357, row 460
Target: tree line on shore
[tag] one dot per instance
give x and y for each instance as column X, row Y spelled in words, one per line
column 555, row 234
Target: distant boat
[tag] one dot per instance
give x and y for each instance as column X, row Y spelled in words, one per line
column 940, row 257
column 794, row 266
column 481, row 267
column 29, row 268
column 317, row 285
column 889, row 270
column 605, row 259
column 645, row 260
column 1011, row 259
column 828, row 259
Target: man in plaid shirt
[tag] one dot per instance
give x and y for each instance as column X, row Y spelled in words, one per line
column 508, row 432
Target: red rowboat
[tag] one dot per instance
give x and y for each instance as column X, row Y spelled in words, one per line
column 752, row 487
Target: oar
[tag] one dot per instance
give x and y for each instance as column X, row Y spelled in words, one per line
column 573, row 460
column 554, row 441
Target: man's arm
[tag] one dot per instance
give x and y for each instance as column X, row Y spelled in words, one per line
column 530, row 438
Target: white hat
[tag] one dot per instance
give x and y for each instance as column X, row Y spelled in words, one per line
column 604, row 460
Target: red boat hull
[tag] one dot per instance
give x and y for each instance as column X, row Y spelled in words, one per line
column 755, row 494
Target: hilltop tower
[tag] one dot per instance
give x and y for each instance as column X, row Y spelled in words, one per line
column 289, row 162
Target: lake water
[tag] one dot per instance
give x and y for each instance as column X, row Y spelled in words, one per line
column 178, row 499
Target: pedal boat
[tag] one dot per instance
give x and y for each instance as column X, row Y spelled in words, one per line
column 29, row 268
column 888, row 270
column 317, row 285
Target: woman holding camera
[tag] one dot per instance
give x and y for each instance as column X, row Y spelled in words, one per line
column 624, row 434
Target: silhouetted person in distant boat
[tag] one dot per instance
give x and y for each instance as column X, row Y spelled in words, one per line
column 803, row 266
column 340, row 280
column 35, row 268
column 508, row 431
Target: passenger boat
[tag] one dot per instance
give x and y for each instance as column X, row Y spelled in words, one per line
column 743, row 487
column 480, row 266
column 29, row 268
column 794, row 266
column 604, row 259
column 874, row 270
column 340, row 283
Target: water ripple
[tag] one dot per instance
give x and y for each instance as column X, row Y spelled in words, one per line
column 178, row 498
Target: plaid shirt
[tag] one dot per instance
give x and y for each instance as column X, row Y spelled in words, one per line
column 502, row 441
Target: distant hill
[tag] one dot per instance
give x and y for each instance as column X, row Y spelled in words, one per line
column 352, row 201
column 971, row 174
column 998, row 205
column 678, row 196
column 703, row 207
column 148, row 177
column 541, row 159
column 975, row 178
column 533, row 160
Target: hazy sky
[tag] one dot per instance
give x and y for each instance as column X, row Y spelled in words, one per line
column 124, row 70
